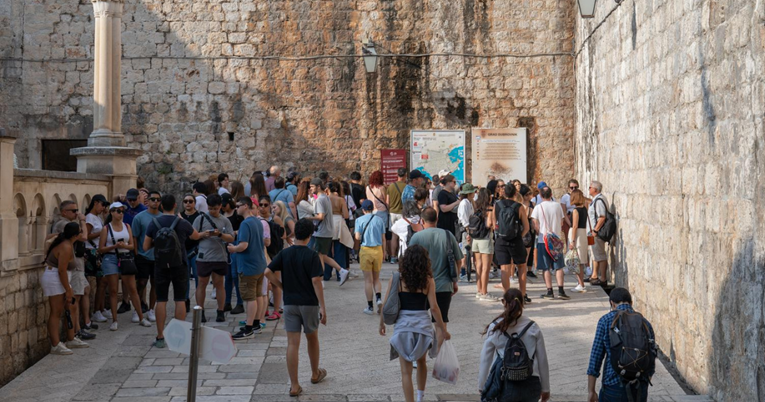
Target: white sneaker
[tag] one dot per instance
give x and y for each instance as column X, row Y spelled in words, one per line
column 214, row 294
column 579, row 289
column 76, row 343
column 379, row 305
column 114, row 326
column 98, row 317
column 145, row 323
column 151, row 315
column 343, row 276
column 135, row 317
column 60, row 349
column 369, row 311
column 107, row 314
column 493, row 275
column 477, row 295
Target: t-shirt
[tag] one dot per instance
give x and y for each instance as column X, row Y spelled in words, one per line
column 437, row 242
column 395, row 191
column 94, row 221
column 408, row 193
column 357, row 192
column 131, row 213
column 566, row 200
column 183, row 229
column 251, row 261
column 550, row 217
column 304, row 209
column 283, row 195
column 58, row 227
column 324, row 206
column 270, row 183
column 202, row 203
column 266, row 228
column 538, row 199
column 213, row 249
column 298, row 265
column 436, row 190
column 140, row 227
column 597, row 209
column 464, row 211
column 447, row 220
column 375, row 228
column 236, row 220
column 292, row 189
column 223, row 190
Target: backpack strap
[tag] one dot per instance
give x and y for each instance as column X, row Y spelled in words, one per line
column 156, row 223
column 525, row 329
column 175, row 223
column 111, row 233
column 378, row 198
column 361, row 242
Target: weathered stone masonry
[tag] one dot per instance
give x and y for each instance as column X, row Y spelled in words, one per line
column 183, row 94
column 670, row 105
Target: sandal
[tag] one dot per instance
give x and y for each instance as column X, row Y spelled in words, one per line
column 298, row 392
column 274, row 316
column 322, row 376
column 597, row 282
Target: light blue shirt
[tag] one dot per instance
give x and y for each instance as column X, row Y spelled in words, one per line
column 373, row 236
column 283, row 195
column 140, row 225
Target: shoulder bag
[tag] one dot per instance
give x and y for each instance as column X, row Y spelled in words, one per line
column 125, row 261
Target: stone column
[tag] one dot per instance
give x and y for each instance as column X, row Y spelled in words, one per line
column 9, row 223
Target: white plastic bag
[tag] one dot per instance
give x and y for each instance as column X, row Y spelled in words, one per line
column 572, row 261
column 446, row 367
column 588, row 271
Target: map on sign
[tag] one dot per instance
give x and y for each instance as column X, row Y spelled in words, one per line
column 436, row 150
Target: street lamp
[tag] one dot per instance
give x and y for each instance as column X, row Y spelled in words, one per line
column 370, row 55
column 587, row 8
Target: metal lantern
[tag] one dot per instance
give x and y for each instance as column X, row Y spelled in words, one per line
column 370, row 55
column 587, row 8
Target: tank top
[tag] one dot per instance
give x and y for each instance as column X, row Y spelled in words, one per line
column 94, row 221
column 582, row 223
column 413, row 301
column 121, row 235
column 52, row 262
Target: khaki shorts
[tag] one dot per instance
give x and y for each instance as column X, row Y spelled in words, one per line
column 251, row 286
column 599, row 250
column 370, row 259
column 483, row 246
column 77, row 281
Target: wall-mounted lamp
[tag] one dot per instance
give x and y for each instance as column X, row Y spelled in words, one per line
column 587, row 8
column 370, row 55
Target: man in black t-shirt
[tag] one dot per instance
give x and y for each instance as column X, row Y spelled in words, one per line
column 304, row 305
column 447, row 205
column 358, row 193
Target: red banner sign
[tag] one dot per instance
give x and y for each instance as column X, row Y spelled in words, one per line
column 390, row 161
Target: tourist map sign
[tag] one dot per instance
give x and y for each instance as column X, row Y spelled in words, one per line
column 436, row 150
column 500, row 153
column 390, row 161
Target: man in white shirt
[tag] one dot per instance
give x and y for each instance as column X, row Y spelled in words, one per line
column 549, row 218
column 596, row 214
column 223, row 183
column 565, row 201
column 464, row 211
column 200, row 191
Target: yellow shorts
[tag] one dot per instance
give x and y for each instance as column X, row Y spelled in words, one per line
column 370, row 259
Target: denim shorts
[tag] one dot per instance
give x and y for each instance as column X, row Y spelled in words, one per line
column 545, row 262
column 110, row 265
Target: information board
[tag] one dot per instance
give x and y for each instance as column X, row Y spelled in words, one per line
column 390, row 161
column 436, row 150
column 500, row 153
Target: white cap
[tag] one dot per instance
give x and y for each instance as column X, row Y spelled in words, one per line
column 116, row 205
column 443, row 173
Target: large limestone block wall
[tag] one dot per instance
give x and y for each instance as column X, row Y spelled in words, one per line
column 670, row 103
column 190, row 83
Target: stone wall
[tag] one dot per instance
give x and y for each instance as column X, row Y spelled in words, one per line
column 190, row 80
column 670, row 104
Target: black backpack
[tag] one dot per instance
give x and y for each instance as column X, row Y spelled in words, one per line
column 477, row 226
column 510, row 226
column 167, row 246
column 633, row 349
column 517, row 365
column 608, row 230
column 277, row 243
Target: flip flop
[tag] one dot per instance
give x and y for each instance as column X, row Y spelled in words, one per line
column 299, row 391
column 596, row 282
column 320, row 378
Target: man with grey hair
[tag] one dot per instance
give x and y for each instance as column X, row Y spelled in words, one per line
column 273, row 173
column 596, row 214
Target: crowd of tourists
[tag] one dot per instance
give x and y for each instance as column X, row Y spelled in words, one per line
column 269, row 246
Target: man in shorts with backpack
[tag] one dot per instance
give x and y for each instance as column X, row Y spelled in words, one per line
column 167, row 235
column 511, row 225
column 627, row 341
column 548, row 222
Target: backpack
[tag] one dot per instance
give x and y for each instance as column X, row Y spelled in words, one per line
column 410, row 230
column 167, row 246
column 633, row 350
column 477, row 226
column 510, row 226
column 607, row 231
column 277, row 243
column 517, row 365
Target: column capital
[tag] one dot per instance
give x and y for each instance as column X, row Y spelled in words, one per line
column 112, row 8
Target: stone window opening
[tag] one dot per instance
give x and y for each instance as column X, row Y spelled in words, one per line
column 20, row 207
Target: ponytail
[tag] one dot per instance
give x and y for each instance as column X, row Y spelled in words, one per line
column 72, row 229
column 513, row 300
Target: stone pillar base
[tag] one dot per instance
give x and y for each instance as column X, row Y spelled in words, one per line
column 118, row 162
column 106, row 139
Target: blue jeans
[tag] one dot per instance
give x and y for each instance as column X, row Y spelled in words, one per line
column 193, row 273
column 339, row 252
column 231, row 283
column 618, row 392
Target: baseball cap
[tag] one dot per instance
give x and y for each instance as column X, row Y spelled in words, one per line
column 443, row 173
column 415, row 174
column 132, row 194
column 541, row 185
column 292, row 175
column 99, row 198
column 116, row 205
column 367, row 205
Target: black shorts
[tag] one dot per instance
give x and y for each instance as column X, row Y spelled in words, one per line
column 144, row 266
column 205, row 269
column 510, row 252
column 444, row 301
column 178, row 276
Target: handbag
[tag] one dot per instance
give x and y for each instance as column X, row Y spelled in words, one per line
column 553, row 244
column 125, row 261
column 392, row 304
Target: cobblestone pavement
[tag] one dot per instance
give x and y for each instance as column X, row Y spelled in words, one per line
column 122, row 366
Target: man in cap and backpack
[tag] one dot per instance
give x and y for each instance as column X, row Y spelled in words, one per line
column 167, row 235
column 626, row 340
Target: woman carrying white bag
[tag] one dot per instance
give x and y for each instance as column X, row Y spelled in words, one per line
column 413, row 333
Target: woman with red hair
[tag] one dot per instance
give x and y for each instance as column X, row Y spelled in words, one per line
column 377, row 193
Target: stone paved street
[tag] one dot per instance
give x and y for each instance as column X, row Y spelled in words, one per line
column 122, row 366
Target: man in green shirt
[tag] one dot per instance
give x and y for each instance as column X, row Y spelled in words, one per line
column 439, row 243
column 395, row 207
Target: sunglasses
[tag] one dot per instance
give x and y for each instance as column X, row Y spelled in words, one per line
column 155, row 199
column 119, row 211
column 574, row 188
column 501, row 186
column 72, row 210
column 265, row 205
column 189, row 201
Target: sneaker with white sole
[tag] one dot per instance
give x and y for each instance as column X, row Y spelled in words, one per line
column 379, row 305
column 145, row 323
column 60, row 349
column 98, row 317
column 214, row 294
column 369, row 311
column 107, row 314
column 76, row 343
column 152, row 317
column 114, row 326
column 135, row 317
column 579, row 289
column 488, row 297
column 343, row 276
